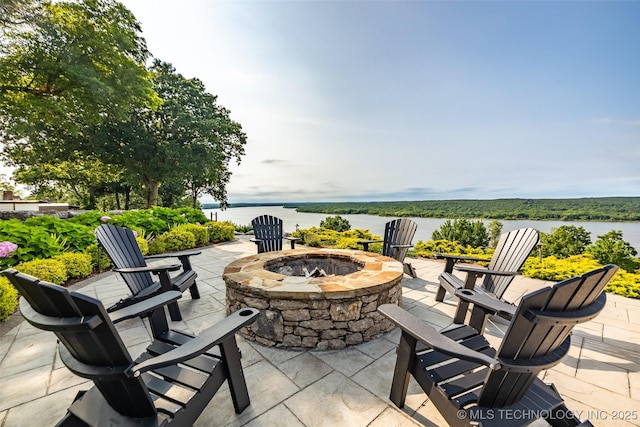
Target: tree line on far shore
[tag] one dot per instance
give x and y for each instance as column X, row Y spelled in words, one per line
column 580, row 209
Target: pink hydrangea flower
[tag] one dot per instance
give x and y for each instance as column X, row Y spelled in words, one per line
column 6, row 248
column 135, row 233
column 105, row 218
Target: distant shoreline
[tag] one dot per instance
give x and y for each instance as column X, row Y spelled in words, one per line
column 607, row 209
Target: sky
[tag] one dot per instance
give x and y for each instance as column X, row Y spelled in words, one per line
column 418, row 100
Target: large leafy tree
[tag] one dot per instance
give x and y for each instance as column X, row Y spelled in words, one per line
column 610, row 248
column 188, row 142
column 565, row 241
column 65, row 70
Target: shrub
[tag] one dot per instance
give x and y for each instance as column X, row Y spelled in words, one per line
column 143, row 244
column 428, row 248
column 611, row 249
column 8, row 298
column 564, row 241
column 91, row 219
column 33, row 242
column 105, row 261
column 316, row 237
column 75, row 235
column 155, row 247
column 223, row 231
column 625, row 284
column 78, row 265
column 177, row 240
column 495, row 229
column 192, row 215
column 467, row 233
column 49, row 270
column 336, row 223
column 243, row 228
column 201, row 233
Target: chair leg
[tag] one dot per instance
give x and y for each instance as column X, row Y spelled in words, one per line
column 158, row 322
column 193, row 289
column 461, row 312
column 408, row 269
column 174, row 312
column 478, row 319
column 235, row 375
column 402, row 373
column 441, row 293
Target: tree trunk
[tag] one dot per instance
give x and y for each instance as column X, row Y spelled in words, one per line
column 127, row 198
column 152, row 191
column 92, row 198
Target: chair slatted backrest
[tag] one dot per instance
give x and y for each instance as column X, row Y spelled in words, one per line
column 398, row 232
column 539, row 333
column 511, row 252
column 121, row 246
column 268, row 229
column 90, row 341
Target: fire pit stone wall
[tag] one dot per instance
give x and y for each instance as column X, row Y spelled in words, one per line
column 321, row 313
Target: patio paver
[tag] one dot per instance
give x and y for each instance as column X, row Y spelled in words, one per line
column 599, row 379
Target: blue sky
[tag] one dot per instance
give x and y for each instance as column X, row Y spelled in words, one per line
column 373, row 100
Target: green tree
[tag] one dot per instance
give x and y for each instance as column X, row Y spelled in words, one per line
column 78, row 181
column 71, row 67
column 495, row 228
column 464, row 231
column 336, row 223
column 611, row 249
column 565, row 241
column 189, row 140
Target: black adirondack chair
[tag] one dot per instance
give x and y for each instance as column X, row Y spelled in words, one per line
column 511, row 252
column 169, row 384
column 398, row 235
column 470, row 382
column 268, row 234
column 121, row 246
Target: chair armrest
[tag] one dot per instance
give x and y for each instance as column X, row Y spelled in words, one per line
column 214, row 335
column 365, row 243
column 150, row 268
column 174, row 255
column 452, row 259
column 458, row 257
column 254, row 240
column 484, row 271
column 295, row 239
column 144, row 307
column 426, row 334
column 486, row 302
column 362, row 242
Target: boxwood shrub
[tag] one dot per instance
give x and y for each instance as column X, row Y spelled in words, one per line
column 49, row 270
column 8, row 298
column 200, row 233
column 177, row 240
column 222, row 231
column 78, row 265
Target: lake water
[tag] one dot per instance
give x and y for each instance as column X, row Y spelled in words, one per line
column 426, row 226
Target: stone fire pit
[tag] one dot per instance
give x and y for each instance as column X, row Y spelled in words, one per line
column 321, row 299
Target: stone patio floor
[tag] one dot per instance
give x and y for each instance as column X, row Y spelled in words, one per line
column 599, row 379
